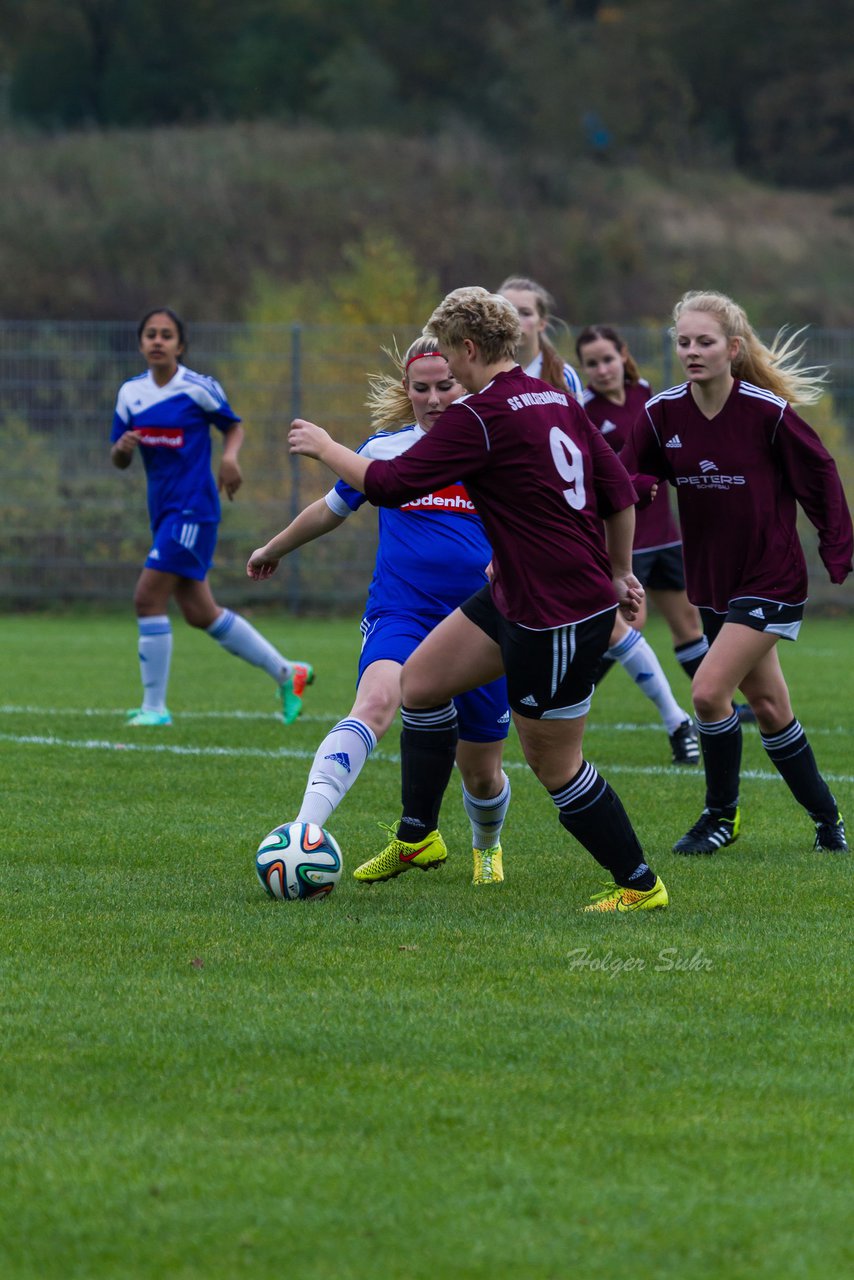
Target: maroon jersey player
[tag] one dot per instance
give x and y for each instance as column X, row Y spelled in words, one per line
column 614, row 397
column 741, row 461
column 558, row 508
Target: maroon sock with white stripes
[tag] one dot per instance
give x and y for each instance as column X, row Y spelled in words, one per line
column 593, row 813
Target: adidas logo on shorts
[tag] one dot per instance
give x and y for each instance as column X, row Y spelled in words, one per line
column 530, row 701
column 757, row 613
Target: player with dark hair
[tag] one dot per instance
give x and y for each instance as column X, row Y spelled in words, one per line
column 741, row 461
column 167, row 413
column 432, row 555
column 556, row 503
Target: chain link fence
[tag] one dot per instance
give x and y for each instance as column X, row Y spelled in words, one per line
column 75, row 529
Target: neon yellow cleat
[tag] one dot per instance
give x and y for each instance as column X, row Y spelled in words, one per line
column 615, row 898
column 292, row 688
column 398, row 856
column 487, row 865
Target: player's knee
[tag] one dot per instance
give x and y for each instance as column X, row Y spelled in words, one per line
column 378, row 709
column 708, row 699
column 771, row 711
column 482, row 780
column 553, row 768
column 415, row 688
column 146, row 603
column 198, row 614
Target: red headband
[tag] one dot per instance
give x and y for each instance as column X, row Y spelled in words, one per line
column 421, row 356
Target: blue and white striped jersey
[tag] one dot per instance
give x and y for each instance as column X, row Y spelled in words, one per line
column 174, row 424
column 432, row 552
column 573, row 382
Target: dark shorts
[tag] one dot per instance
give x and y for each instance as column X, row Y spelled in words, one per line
column 549, row 673
column 661, row 569
column 183, row 547
column 483, row 714
column 762, row 615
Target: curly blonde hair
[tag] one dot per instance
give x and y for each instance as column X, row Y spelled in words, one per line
column 387, row 400
column 487, row 319
column 777, row 368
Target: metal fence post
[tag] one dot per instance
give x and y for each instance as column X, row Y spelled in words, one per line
column 295, row 578
column 667, row 357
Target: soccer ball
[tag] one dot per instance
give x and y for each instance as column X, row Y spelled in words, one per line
column 298, row 860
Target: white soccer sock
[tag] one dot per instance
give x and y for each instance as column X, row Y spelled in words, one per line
column 336, row 766
column 635, row 655
column 155, row 655
column 239, row 637
column 487, row 816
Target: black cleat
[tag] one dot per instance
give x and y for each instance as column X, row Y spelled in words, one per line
column 684, row 744
column 830, row 836
column 711, row 831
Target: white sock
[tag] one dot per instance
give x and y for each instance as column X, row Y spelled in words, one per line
column 634, row 654
column 239, row 637
column 487, row 816
column 155, row 655
column 336, row 766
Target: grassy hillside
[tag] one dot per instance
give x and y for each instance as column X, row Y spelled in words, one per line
column 99, row 225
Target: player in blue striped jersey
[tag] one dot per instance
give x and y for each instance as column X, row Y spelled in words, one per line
column 167, row 413
column 432, row 555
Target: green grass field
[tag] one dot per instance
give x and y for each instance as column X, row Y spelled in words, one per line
column 419, row 1080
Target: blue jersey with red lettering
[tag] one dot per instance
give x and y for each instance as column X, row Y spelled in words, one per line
column 432, row 552
column 174, row 424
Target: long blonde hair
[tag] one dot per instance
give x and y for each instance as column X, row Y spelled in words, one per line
column 387, row 400
column 777, row 368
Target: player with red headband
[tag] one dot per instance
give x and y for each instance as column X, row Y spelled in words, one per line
column 558, row 506
column 432, row 554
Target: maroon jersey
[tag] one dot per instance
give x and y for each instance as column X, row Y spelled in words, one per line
column 655, row 527
column 541, row 478
column 738, row 479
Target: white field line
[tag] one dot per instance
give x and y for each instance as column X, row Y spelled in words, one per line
column 383, row 757
column 8, row 709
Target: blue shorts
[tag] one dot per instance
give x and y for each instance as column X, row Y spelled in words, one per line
column 483, row 713
column 183, row 547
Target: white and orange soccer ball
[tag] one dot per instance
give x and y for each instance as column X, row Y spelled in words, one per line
column 298, row 860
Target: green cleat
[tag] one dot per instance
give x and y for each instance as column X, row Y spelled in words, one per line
column 616, row 898
column 398, row 856
column 292, row 688
column 139, row 718
column 487, row 865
